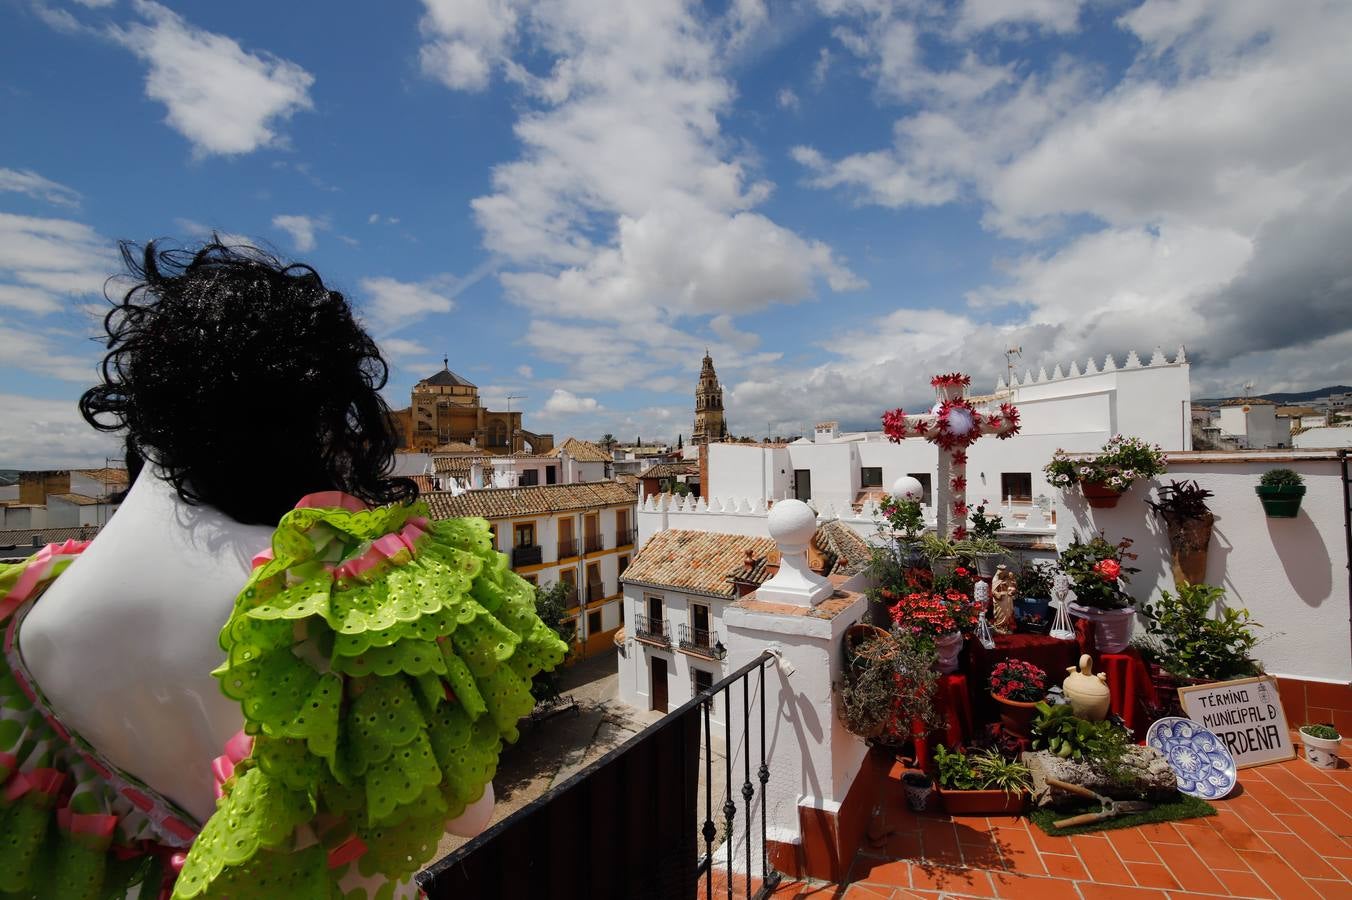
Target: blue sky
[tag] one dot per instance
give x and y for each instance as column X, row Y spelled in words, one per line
column 572, row 198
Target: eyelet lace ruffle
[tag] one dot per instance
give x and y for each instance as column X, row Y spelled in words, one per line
column 380, row 660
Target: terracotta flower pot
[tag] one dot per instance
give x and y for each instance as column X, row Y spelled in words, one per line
column 1016, row 716
column 1098, row 495
column 1189, row 540
column 983, row 803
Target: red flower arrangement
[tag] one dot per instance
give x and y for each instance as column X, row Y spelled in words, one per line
column 1018, row 680
column 1108, row 569
column 935, row 613
column 952, row 379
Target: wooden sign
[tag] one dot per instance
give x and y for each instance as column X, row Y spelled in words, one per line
column 1247, row 714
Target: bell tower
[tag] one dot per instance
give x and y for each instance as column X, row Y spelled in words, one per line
column 709, row 424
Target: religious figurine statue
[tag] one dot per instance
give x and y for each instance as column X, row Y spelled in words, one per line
column 1003, row 586
column 1061, row 628
column 982, row 593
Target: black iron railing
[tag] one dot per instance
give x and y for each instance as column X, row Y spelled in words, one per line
column 629, row 825
column 595, row 592
column 526, row 555
column 567, row 548
column 595, row 543
column 625, row 537
column 648, row 628
column 701, row 641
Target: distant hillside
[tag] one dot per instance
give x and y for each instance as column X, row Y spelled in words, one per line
column 9, row 476
column 1289, row 399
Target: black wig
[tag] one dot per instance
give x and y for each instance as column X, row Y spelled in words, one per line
column 246, row 381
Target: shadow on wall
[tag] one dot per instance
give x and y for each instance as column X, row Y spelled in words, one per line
column 1304, row 556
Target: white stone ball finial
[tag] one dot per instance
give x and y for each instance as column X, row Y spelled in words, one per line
column 908, row 488
column 792, row 523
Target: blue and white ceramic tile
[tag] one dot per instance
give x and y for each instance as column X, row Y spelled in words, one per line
column 1199, row 758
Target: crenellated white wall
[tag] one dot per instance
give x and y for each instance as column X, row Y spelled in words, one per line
column 1289, row 573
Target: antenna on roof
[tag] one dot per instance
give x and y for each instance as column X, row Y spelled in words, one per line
column 446, row 363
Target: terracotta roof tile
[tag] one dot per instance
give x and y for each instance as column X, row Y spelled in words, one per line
column 116, row 477
column 670, row 470
column 582, row 451
column 544, row 499
column 79, row 499
column 22, row 538
column 701, row 561
column 424, row 483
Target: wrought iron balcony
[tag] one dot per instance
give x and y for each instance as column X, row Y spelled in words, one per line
column 595, row 593
column 650, row 629
column 626, row 537
column 567, row 548
column 527, row 555
column 595, row 543
column 701, row 642
column 570, row 594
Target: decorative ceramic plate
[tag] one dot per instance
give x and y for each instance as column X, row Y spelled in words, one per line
column 1199, row 758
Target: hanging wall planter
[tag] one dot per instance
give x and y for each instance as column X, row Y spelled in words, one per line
column 1280, row 491
column 1182, row 505
column 1099, row 496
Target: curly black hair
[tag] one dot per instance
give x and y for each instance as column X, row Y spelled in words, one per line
column 246, row 381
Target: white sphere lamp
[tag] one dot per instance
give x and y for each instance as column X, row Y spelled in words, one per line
column 908, row 488
column 792, row 525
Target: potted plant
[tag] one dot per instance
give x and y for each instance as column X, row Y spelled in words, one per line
column 1105, row 476
column 1280, row 491
column 1195, row 638
column 941, row 552
column 982, row 783
column 862, row 642
column 1057, row 730
column 1097, row 571
column 981, row 546
column 1321, row 745
column 907, row 523
column 890, row 687
column 1182, row 505
column 940, row 614
column 1017, row 687
column 1032, row 603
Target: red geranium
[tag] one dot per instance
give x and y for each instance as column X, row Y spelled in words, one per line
column 1016, row 679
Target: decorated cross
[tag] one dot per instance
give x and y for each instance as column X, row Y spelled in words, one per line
column 954, row 424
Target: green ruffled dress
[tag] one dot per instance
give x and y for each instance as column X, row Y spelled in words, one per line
column 380, row 659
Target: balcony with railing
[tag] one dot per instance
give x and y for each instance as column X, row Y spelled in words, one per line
column 527, row 555
column 595, row 543
column 701, row 642
column 567, row 548
column 652, row 630
column 596, row 592
column 625, row 537
column 570, row 594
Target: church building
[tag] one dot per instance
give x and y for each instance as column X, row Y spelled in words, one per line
column 709, row 424
column 446, row 409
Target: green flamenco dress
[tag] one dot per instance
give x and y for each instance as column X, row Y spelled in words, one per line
column 380, row 660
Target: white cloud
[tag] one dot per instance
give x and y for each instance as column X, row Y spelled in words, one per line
column 43, row 434
column 787, row 99
column 96, row 4
column 43, row 261
column 33, row 351
column 525, row 372
column 224, row 100
column 30, row 183
column 377, row 219
column 1052, row 15
column 302, row 230
column 564, row 403
column 466, row 39
column 397, row 303
column 401, row 349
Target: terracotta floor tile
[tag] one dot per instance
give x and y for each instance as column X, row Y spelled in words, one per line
column 1271, row 798
column 1188, row 869
column 1101, row 860
column 1090, row 891
column 1132, row 846
column 1291, row 785
column 983, row 856
column 1062, row 865
column 1313, row 832
column 1046, row 843
column 1280, row 878
column 1343, row 865
column 1245, row 884
column 1299, row 856
column 1018, row 851
column 940, row 843
column 963, row 882
column 1255, row 814
column 1235, row 833
column 1332, row 890
column 869, row 892
column 1153, row 876
column 971, row 828
column 1161, row 833
column 1212, row 847
column 895, row 873
column 902, row 845
column 1024, row 887
column 1333, row 816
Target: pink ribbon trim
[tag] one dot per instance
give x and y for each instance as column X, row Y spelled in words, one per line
column 323, row 499
column 38, row 570
column 237, row 749
column 91, row 824
column 262, row 558
column 386, row 547
column 351, row 849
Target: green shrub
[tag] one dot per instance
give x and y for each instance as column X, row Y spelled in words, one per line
column 984, row 770
column 1192, row 642
column 1059, row 731
column 1324, row 732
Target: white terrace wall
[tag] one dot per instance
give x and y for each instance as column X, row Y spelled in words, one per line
column 1289, row 573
